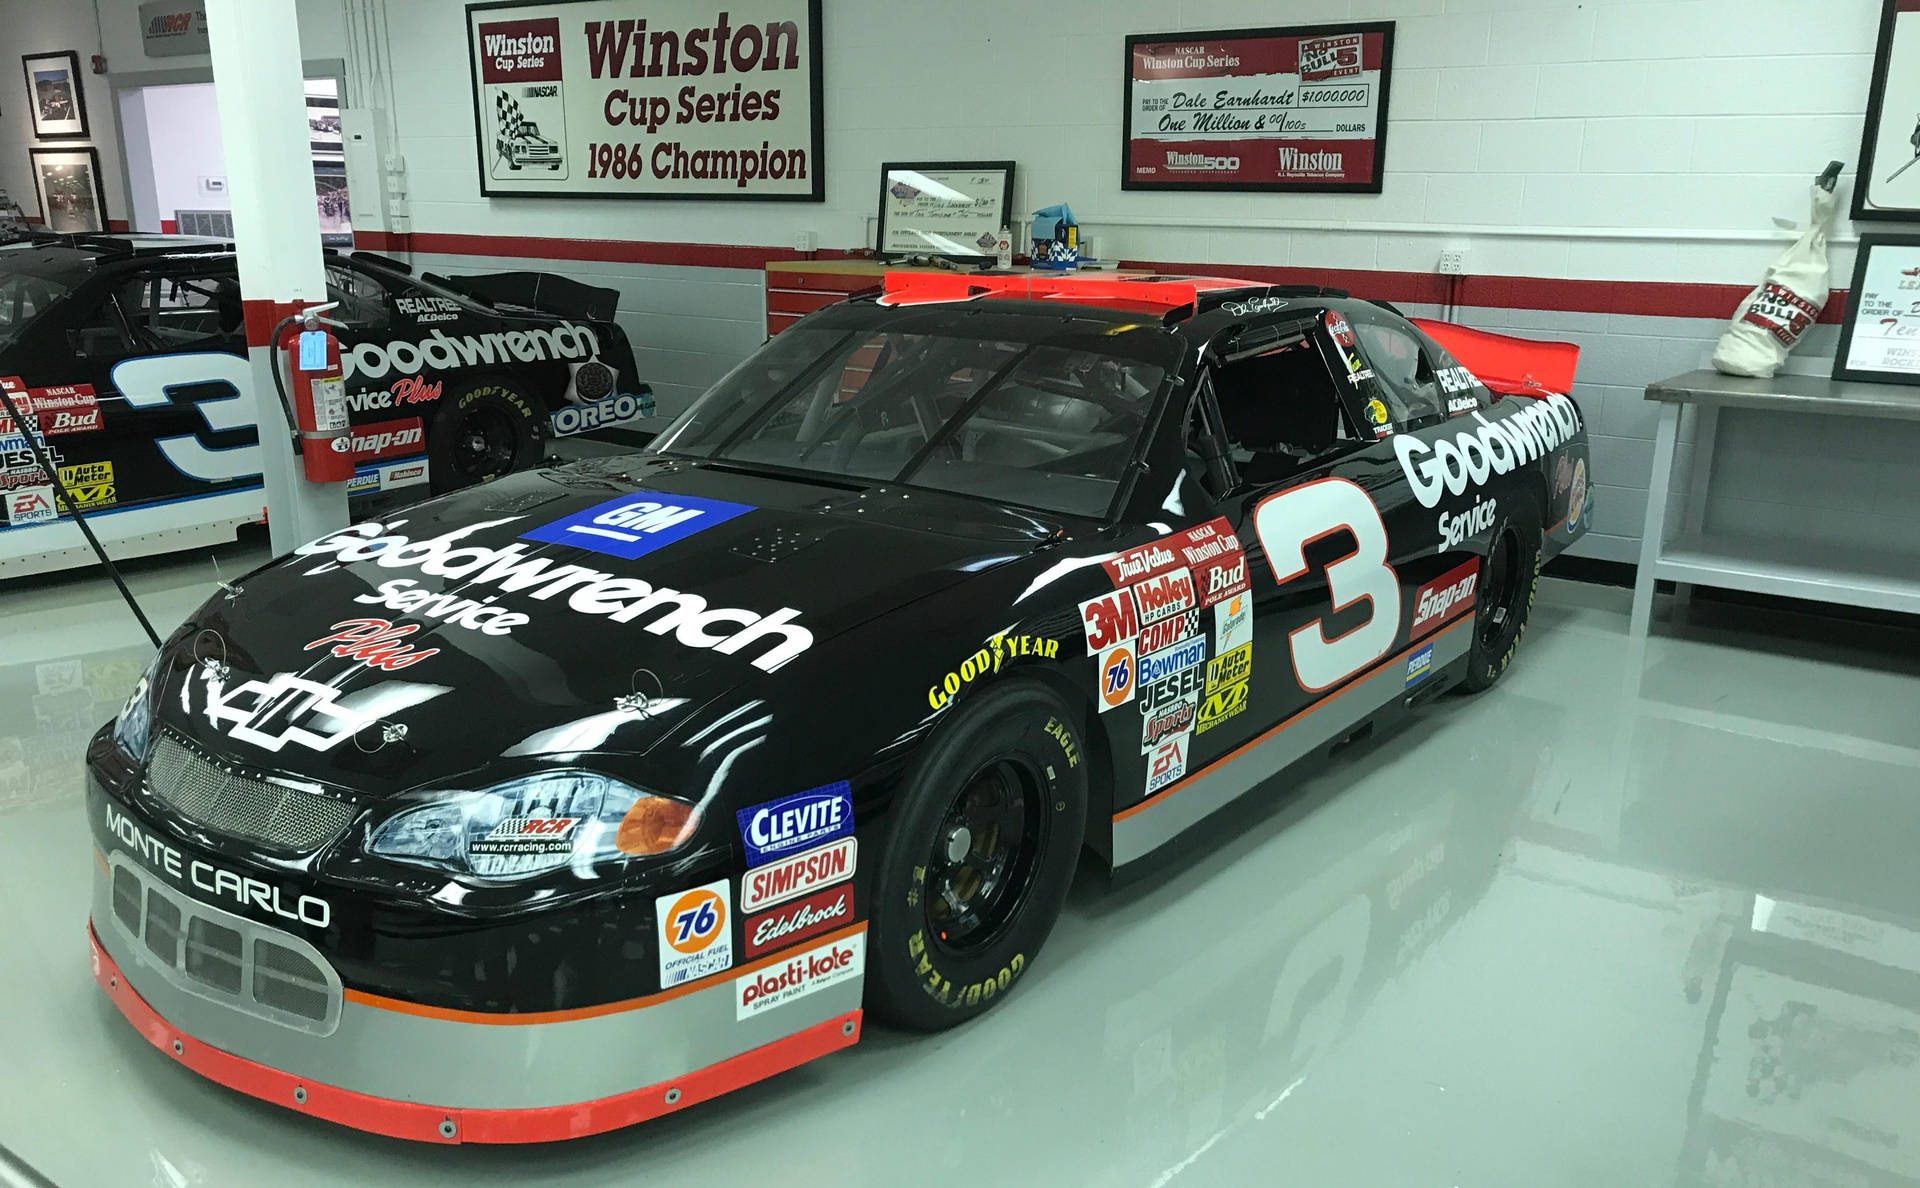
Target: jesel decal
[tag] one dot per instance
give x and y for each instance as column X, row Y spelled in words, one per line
column 987, row 661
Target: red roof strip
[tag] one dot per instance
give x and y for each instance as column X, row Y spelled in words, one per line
column 909, row 288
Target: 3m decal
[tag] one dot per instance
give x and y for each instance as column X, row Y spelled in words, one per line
column 1232, row 624
column 216, row 882
column 1286, row 523
column 376, row 643
column 1461, row 404
column 801, row 975
column 1167, row 764
column 1169, row 631
column 1116, row 677
column 1168, row 720
column 989, row 660
column 696, row 933
column 1458, row 530
column 790, row 878
column 1221, row 705
column 1231, row 668
column 1450, row 460
column 442, row 352
column 820, row 912
column 1444, row 599
column 1167, row 594
column 1109, row 619
column 285, row 708
column 520, row 836
column 614, row 410
column 591, row 592
column 798, row 822
column 1419, row 666
column 634, row 525
column 388, row 439
column 30, row 505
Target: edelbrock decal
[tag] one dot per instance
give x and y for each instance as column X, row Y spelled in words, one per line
column 805, row 819
column 1456, row 459
column 373, row 360
column 614, row 410
column 685, row 615
column 795, row 922
column 634, row 525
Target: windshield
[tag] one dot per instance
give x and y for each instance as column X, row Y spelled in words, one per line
column 1049, row 424
column 24, row 298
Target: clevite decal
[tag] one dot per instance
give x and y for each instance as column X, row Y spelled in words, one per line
column 685, row 615
column 798, row 822
column 634, row 525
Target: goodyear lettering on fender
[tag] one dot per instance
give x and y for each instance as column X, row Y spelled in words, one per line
column 216, row 881
column 989, row 660
column 1455, row 459
column 799, row 875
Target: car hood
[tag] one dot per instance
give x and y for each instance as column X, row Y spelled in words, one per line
column 590, row 609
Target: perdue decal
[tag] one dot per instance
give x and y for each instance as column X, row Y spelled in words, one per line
column 446, row 352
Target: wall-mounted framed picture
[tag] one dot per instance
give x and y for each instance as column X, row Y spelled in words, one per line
column 1300, row 109
column 1880, row 336
column 72, row 199
column 55, row 99
column 1888, row 184
column 953, row 209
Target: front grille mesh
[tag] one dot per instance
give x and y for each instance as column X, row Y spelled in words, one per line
column 226, row 958
column 277, row 815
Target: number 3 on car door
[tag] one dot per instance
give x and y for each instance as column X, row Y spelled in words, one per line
column 1289, row 521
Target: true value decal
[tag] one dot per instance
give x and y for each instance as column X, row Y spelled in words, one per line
column 1452, row 459
column 481, row 574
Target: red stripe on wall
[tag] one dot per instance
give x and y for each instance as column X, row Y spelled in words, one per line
column 169, row 226
column 1663, row 299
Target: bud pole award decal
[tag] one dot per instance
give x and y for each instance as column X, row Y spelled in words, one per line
column 667, row 99
column 1299, row 109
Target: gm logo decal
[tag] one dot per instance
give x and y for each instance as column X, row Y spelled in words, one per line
column 637, row 524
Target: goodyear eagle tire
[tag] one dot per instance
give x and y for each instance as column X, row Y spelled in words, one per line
column 485, row 428
column 978, row 858
column 1509, row 579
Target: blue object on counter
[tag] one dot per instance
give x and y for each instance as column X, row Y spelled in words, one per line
column 1056, row 238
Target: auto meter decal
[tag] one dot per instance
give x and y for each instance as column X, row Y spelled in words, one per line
column 1444, row 599
column 790, row 878
column 798, row 822
column 800, row 975
column 696, row 933
column 1230, row 669
column 792, row 923
column 634, row 525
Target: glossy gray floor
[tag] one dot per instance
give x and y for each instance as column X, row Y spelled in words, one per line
column 1632, row 918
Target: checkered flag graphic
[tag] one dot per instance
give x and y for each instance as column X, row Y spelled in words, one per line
column 506, row 115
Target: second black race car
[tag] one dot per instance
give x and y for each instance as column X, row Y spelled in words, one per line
column 555, row 805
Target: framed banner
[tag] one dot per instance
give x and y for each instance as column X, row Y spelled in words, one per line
column 944, row 208
column 56, row 102
column 67, row 181
column 1291, row 110
column 648, row 99
column 1880, row 336
column 1888, row 184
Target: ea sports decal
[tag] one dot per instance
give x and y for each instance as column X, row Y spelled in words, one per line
column 794, row 823
column 696, row 933
column 1168, row 763
column 634, row 525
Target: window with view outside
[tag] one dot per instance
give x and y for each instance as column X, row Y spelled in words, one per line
column 1048, row 424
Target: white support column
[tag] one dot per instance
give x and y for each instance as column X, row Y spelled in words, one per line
column 276, row 226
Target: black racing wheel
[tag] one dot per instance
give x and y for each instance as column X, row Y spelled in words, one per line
column 979, row 857
column 484, row 429
column 1509, row 578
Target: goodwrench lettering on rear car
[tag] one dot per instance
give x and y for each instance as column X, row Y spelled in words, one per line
column 1457, row 459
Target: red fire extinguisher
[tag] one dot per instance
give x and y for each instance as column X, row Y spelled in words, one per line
column 319, row 401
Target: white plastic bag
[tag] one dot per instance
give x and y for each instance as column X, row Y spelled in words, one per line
column 1774, row 316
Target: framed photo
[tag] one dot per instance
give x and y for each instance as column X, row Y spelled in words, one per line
column 573, row 98
column 1291, row 110
column 1888, row 184
column 944, row 208
column 72, row 199
column 1880, row 336
column 55, row 99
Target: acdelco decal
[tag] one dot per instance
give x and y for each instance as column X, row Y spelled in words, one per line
column 1445, row 598
column 988, row 660
column 444, row 352
column 1458, row 458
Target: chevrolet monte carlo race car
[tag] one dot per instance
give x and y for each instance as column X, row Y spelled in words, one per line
column 129, row 355
column 550, row 806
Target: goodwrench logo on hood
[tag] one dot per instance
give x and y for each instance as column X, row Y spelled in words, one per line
column 374, row 360
column 490, row 572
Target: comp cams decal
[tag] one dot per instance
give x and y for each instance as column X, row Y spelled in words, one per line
column 444, row 352
column 686, row 616
column 988, row 660
column 1455, row 459
column 696, row 933
column 798, row 822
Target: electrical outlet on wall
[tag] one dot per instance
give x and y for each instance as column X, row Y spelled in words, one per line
column 1453, row 260
column 805, row 241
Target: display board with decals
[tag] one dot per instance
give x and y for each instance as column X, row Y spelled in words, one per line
column 1258, row 109
column 669, row 99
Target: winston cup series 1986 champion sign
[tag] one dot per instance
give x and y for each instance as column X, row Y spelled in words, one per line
column 1258, row 109
column 648, row 98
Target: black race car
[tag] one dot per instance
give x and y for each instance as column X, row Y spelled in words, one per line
column 569, row 801
column 129, row 353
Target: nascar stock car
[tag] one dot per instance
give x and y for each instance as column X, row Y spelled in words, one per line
column 128, row 354
column 643, row 778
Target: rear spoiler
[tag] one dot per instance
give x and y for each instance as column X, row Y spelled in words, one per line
column 1510, row 366
column 536, row 290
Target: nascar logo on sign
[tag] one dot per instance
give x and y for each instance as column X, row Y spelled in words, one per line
column 696, row 933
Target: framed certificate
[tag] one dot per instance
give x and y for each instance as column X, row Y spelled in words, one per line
column 953, row 209
column 1880, row 337
column 1888, row 185
column 1300, row 109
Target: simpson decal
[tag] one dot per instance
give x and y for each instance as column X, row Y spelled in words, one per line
column 634, row 525
column 798, row 822
column 696, row 933
column 799, row 875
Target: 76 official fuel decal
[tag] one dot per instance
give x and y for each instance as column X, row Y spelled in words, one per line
column 696, row 933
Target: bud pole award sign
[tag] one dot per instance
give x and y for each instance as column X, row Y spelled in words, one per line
column 1296, row 109
column 648, row 98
